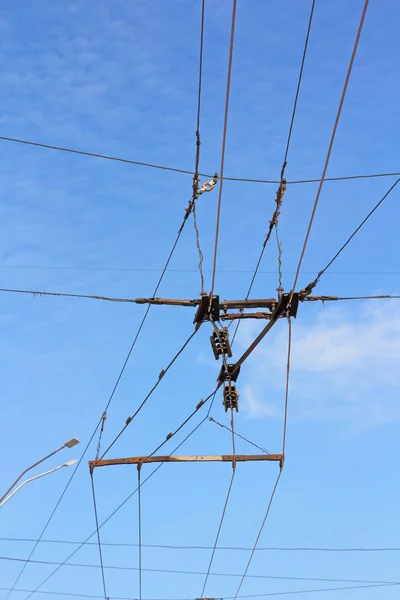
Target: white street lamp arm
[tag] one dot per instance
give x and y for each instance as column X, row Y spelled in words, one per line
column 67, row 464
column 70, row 444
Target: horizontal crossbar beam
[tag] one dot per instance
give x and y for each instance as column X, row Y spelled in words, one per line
column 138, row 460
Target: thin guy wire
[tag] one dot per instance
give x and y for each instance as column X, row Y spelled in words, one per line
column 314, row 283
column 282, row 182
column 188, row 210
column 103, row 577
column 238, row 435
column 233, row 548
column 221, row 171
column 214, row 574
column 187, row 172
column 224, row 509
column 119, row 506
column 303, row 59
column 338, row 114
column 160, row 377
column 148, row 270
column 139, row 468
column 288, row 593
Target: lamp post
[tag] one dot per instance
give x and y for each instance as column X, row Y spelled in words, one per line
column 70, row 444
column 66, row 464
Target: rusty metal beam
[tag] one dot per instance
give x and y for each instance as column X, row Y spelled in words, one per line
column 138, row 460
column 269, row 303
column 257, row 315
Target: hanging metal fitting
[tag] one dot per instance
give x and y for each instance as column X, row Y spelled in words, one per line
column 208, row 185
column 228, row 373
column 231, row 398
column 207, row 311
column 220, row 343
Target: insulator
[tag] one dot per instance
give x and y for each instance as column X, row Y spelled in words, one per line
column 231, row 398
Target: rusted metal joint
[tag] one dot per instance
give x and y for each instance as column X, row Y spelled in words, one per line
column 208, row 185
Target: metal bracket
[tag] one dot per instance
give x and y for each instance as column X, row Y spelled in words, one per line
column 284, row 306
column 207, row 310
column 228, row 374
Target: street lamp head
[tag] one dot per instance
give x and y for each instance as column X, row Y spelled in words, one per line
column 69, row 463
column 71, row 443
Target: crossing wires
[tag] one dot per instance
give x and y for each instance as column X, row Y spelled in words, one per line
column 282, row 184
column 309, row 288
column 281, row 465
column 333, row 135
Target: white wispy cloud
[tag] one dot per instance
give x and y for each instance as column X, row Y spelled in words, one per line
column 344, row 366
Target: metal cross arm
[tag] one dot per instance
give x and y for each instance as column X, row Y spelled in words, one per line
column 139, row 460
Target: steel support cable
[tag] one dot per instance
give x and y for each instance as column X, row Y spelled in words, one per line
column 198, row 143
column 67, row 295
column 237, row 435
column 282, row 463
column 160, row 377
column 282, row 183
column 111, row 515
column 333, row 135
column 308, row 289
column 221, row 171
column 228, row 495
column 104, row 413
column 103, row 577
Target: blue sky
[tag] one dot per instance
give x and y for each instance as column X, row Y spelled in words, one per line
column 120, row 78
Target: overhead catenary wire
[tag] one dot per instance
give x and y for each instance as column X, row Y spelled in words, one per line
column 155, row 270
column 282, row 182
column 225, row 128
column 114, row 512
column 103, row 576
column 311, row 285
column 227, row 498
column 152, row 390
column 201, row 573
column 331, row 142
column 225, row 548
column 198, row 144
column 245, row 573
column 139, row 495
column 110, row 399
